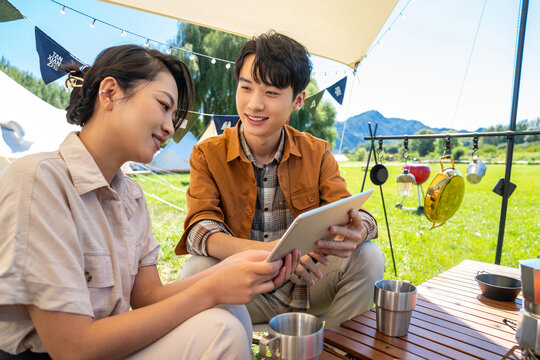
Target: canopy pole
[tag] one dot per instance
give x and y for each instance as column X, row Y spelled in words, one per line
column 510, row 146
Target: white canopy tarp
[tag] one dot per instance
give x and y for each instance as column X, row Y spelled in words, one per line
column 340, row 30
column 44, row 126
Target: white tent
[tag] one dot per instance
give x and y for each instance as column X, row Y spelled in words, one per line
column 341, row 30
column 44, row 126
column 175, row 156
column 209, row 132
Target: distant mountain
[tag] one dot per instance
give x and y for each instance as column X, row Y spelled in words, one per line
column 356, row 128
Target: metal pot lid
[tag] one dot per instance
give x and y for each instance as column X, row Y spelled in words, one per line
column 378, row 174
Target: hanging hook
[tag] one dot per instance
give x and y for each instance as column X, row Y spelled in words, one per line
column 380, row 150
column 447, row 146
column 405, row 149
column 475, row 144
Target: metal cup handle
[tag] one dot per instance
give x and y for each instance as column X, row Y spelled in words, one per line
column 263, row 345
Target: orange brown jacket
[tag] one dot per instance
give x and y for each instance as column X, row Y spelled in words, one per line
column 223, row 188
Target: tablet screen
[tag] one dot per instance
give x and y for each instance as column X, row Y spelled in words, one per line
column 313, row 225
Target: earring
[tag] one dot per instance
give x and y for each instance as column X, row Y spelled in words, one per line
column 102, row 92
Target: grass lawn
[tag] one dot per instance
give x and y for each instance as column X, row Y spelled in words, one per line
column 420, row 253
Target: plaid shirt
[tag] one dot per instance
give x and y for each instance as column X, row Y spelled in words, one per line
column 271, row 219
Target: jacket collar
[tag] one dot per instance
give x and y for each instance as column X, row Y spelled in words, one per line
column 234, row 148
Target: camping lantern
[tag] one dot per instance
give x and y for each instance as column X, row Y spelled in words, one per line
column 405, row 182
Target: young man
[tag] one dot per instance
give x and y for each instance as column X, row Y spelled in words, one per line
column 248, row 184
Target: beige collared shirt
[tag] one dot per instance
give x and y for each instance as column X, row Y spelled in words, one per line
column 69, row 241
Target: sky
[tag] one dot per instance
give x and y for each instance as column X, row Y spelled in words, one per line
column 423, row 65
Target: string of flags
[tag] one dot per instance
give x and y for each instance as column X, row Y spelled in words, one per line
column 52, row 56
column 222, row 122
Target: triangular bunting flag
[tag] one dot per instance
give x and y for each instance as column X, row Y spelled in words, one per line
column 9, row 12
column 51, row 57
column 310, row 104
column 184, row 127
column 338, row 90
column 224, row 121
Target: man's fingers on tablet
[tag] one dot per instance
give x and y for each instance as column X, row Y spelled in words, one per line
column 318, row 257
column 345, row 232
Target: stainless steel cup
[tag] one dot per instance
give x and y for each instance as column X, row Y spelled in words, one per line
column 293, row 335
column 476, row 170
column 394, row 301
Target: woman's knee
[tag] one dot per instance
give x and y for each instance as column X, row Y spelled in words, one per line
column 212, row 334
column 229, row 336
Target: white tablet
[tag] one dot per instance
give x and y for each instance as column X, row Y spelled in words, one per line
column 313, row 225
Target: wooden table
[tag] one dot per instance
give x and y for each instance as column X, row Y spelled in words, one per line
column 451, row 320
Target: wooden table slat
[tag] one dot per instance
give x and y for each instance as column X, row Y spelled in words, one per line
column 401, row 343
column 329, row 354
column 352, row 347
column 381, row 346
column 471, row 329
column 434, row 346
column 451, row 320
column 463, row 307
column 472, row 292
column 422, row 328
column 474, row 323
column 471, row 301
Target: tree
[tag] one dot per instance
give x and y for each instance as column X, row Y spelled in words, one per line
column 215, row 85
column 423, row 146
column 533, row 125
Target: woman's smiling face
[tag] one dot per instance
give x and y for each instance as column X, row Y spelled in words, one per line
column 145, row 119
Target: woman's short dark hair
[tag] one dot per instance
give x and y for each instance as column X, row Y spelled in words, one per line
column 130, row 65
column 279, row 61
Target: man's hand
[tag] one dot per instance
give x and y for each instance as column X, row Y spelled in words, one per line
column 346, row 239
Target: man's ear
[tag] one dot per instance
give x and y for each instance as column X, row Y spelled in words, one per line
column 299, row 100
column 108, row 91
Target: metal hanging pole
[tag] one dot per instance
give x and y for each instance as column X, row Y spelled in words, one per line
column 510, row 146
column 372, row 148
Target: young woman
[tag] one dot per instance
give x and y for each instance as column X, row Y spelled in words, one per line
column 77, row 250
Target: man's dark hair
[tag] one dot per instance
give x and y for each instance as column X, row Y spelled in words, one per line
column 279, row 61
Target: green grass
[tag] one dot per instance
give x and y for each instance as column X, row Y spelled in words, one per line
column 420, row 253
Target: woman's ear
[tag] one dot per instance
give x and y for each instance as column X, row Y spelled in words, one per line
column 108, row 90
column 299, row 100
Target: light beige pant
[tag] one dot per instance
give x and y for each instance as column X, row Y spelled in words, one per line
column 346, row 289
column 217, row 333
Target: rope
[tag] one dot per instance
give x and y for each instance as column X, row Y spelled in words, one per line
column 347, row 108
column 468, row 64
column 163, row 201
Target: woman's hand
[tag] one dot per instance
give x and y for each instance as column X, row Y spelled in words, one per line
column 241, row 277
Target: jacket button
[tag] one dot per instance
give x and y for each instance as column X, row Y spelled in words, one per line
column 249, row 212
column 88, row 276
column 311, row 199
